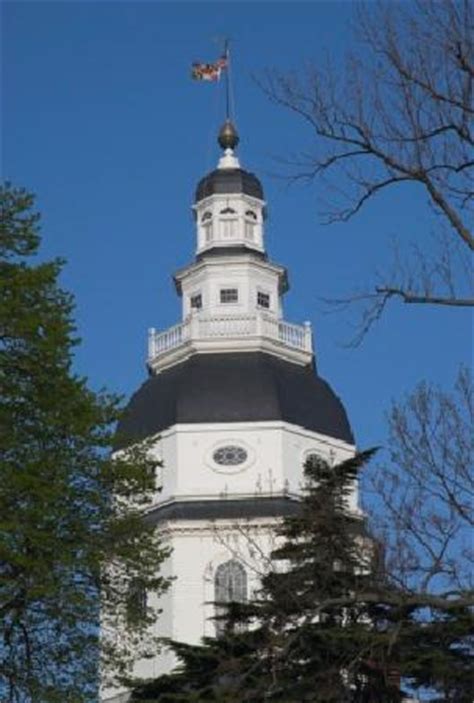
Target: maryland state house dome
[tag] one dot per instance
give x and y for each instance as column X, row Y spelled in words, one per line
column 236, row 387
column 232, row 409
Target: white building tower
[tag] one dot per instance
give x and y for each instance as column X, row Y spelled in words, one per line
column 235, row 404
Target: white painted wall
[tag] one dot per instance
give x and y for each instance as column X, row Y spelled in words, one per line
column 199, row 547
column 242, row 272
column 276, row 452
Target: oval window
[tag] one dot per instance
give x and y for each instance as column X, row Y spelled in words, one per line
column 230, row 455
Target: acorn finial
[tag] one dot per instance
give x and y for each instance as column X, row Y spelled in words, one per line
column 228, row 137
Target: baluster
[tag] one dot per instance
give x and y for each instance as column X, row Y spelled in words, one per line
column 308, row 340
column 151, row 343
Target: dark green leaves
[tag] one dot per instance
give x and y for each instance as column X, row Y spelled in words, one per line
column 71, row 528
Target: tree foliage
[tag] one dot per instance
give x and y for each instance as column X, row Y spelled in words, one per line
column 63, row 539
column 327, row 624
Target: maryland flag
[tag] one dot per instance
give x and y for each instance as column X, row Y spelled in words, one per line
column 208, row 71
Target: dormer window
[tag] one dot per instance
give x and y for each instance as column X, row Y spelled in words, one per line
column 229, row 295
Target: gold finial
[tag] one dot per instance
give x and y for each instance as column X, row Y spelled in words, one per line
column 228, row 137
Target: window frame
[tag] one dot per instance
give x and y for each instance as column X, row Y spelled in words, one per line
column 231, row 585
column 268, row 296
column 230, row 301
column 249, row 231
column 208, row 231
column 234, row 455
column 228, row 227
column 194, row 296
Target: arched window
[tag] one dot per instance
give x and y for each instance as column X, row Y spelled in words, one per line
column 250, row 219
column 228, row 223
column 230, row 586
column 206, row 223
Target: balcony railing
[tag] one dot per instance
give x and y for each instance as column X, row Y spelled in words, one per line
column 210, row 328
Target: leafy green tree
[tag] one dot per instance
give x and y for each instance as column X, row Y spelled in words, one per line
column 327, row 626
column 71, row 527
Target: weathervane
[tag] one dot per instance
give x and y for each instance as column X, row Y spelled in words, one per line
column 211, row 72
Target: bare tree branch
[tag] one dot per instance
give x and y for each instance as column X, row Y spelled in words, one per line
column 408, row 297
column 422, row 499
column 401, row 112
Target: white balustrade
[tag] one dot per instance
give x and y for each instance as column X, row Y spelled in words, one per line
column 227, row 326
column 201, row 327
column 293, row 335
column 163, row 341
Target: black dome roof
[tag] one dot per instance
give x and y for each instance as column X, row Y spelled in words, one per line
column 234, row 387
column 229, row 180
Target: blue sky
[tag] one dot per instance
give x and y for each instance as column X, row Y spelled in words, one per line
column 101, row 120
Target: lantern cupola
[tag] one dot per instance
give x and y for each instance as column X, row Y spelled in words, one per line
column 229, row 203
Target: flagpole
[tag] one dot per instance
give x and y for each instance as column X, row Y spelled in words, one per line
column 227, row 78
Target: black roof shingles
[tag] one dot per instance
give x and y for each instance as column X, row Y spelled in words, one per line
column 234, row 387
column 229, row 180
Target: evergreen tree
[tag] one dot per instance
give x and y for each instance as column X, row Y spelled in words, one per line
column 64, row 541
column 327, row 625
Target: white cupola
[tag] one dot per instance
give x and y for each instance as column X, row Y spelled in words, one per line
column 229, row 207
column 232, row 295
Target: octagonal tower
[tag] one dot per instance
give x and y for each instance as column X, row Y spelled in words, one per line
column 235, row 404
